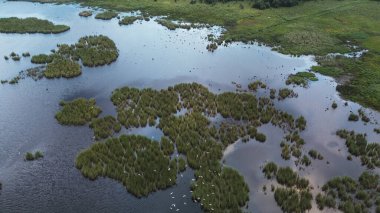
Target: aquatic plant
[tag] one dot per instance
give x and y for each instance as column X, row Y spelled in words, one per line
column 334, row 105
column 258, row 84
column 212, row 47
column 193, row 136
column 106, row 15
column 181, row 164
column 286, row 93
column 77, row 112
column 91, row 50
column 60, row 67
column 353, row 117
column 358, row 146
column 130, row 20
column 315, row 154
column 30, row 25
column 270, row 170
column 291, row 200
column 171, row 25
column 135, row 161
column 42, row 59
column 31, row 157
column 26, row 54
column 301, row 78
column 105, row 127
column 349, row 195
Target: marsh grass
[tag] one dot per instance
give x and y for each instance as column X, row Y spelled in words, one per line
column 135, row 161
column 130, row 20
column 105, row 127
column 358, row 146
column 286, row 93
column 65, row 68
column 30, row 25
column 349, row 195
column 106, row 15
column 31, row 157
column 77, row 112
column 301, row 78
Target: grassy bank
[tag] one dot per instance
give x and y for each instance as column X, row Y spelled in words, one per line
column 30, row 25
column 313, row 27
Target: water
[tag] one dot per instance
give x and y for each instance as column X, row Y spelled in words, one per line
column 150, row 56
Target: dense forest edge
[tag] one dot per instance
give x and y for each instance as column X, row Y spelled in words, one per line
column 304, row 27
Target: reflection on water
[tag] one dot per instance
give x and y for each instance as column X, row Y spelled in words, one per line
column 150, row 56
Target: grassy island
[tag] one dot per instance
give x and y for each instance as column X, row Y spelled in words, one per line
column 350, row 195
column 64, row 62
column 77, row 112
column 30, row 25
column 106, row 15
column 62, row 68
column 301, row 78
column 135, row 161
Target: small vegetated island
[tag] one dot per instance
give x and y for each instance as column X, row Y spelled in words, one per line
column 144, row 166
column 30, row 25
column 92, row 51
column 106, row 15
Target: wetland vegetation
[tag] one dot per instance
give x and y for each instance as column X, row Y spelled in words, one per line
column 311, row 27
column 216, row 187
column 30, row 25
column 294, row 194
column 130, row 20
column 77, row 112
column 105, row 127
column 106, row 15
column 358, row 146
column 301, row 78
column 136, row 161
column 349, row 195
column 31, row 157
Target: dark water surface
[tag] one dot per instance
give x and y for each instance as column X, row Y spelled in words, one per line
column 150, row 56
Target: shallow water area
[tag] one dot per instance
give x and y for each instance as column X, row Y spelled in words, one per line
column 149, row 56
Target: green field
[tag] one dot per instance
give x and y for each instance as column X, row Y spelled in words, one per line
column 313, row 27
